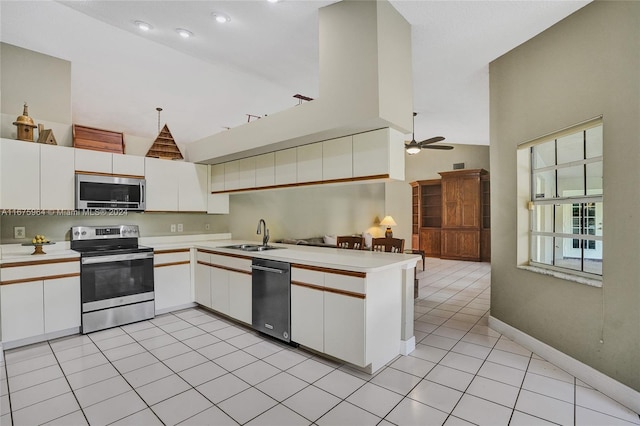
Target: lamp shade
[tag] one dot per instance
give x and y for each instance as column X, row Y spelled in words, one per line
column 388, row 221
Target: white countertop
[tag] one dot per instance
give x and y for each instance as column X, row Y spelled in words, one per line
column 326, row 257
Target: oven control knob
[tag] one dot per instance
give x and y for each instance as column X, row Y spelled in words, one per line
column 76, row 233
column 84, row 232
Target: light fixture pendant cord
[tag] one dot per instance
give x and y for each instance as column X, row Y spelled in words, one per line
column 159, row 110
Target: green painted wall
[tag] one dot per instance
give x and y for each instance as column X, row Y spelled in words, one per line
column 584, row 66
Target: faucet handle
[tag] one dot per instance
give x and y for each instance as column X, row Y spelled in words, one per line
column 265, row 238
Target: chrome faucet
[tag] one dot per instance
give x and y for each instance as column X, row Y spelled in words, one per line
column 265, row 237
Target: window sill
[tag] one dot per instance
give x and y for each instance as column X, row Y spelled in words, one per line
column 563, row 275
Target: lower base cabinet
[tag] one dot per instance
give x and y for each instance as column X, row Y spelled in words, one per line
column 307, row 317
column 172, row 286
column 61, row 304
column 344, row 328
column 240, row 296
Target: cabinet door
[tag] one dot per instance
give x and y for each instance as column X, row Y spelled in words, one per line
column 265, row 170
column 240, row 296
column 344, row 327
column 162, row 185
column 216, row 178
column 371, row 153
column 310, row 163
column 247, row 173
column 61, row 304
column 307, row 317
column 286, row 167
column 460, row 244
column 22, row 310
column 130, row 165
column 172, row 286
column 220, row 290
column 88, row 160
column 20, row 175
column 203, row 282
column 192, row 187
column 430, row 241
column 231, row 175
column 337, row 158
column 57, row 178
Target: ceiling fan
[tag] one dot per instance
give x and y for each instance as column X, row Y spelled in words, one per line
column 414, row 147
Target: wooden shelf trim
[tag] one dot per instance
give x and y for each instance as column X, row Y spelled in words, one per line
column 167, row 251
column 40, row 262
column 83, row 172
column 226, row 268
column 330, row 271
column 42, row 278
column 219, row 253
column 314, row 182
column 182, row 262
column 330, row 290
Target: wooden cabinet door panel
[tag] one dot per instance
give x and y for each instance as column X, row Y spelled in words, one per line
column 451, row 214
column 469, row 203
column 460, row 244
column 430, row 242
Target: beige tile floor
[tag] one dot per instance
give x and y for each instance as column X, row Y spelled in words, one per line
column 195, row 368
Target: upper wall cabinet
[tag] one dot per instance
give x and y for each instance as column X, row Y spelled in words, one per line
column 247, row 172
column 192, row 186
column 337, row 158
column 286, row 166
column 310, row 162
column 87, row 160
column 216, row 178
column 36, row 176
column 162, row 184
column 265, row 170
column 231, row 175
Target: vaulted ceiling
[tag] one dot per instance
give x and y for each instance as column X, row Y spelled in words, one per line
column 257, row 61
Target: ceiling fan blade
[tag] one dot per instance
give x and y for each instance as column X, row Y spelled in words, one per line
column 445, row 147
column 431, row 140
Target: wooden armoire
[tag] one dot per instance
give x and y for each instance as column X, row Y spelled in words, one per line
column 451, row 215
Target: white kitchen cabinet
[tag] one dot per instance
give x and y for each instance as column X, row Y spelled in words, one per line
column 162, row 185
column 286, row 166
column 61, row 304
column 22, row 310
column 202, row 282
column 88, row 160
column 371, row 153
column 216, row 178
column 240, row 296
column 192, row 186
column 344, row 327
column 310, row 163
column 20, row 175
column 231, row 175
column 307, row 316
column 130, row 165
column 247, row 173
column 220, row 290
column 57, row 178
column 172, row 286
column 265, row 170
column 337, row 158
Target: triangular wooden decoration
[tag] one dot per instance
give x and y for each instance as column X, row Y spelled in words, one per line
column 165, row 146
column 46, row 137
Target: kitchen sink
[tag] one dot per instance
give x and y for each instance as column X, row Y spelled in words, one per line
column 251, row 247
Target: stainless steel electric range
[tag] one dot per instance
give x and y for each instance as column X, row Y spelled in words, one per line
column 116, row 276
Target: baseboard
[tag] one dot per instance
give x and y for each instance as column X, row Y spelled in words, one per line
column 40, row 338
column 605, row 384
column 175, row 308
column 407, row 346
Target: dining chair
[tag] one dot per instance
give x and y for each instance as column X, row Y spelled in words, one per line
column 389, row 245
column 349, row 242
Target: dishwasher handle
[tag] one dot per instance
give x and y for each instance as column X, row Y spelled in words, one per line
column 267, row 269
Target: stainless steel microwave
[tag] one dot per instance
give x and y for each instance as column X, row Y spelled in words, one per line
column 95, row 192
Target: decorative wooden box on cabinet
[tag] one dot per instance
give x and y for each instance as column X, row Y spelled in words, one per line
column 451, row 216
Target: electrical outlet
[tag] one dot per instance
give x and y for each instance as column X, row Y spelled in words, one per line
column 173, row 227
column 180, row 227
column 207, row 226
column 19, row 232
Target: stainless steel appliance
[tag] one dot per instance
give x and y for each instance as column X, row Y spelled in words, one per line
column 109, row 192
column 116, row 276
column 271, row 301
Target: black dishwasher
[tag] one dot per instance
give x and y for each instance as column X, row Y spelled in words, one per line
column 271, row 298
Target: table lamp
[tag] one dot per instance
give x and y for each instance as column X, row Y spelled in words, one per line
column 388, row 222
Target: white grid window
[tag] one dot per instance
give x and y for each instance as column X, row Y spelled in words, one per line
column 567, row 199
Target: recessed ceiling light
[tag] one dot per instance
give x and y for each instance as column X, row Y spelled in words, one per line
column 143, row 26
column 221, row 17
column 184, row 33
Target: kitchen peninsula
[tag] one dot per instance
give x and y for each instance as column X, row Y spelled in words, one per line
column 355, row 306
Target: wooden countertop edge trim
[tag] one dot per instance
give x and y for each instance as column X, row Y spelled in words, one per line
column 226, row 268
column 330, row 271
column 40, row 262
column 183, row 262
column 45, row 278
column 82, row 172
column 239, row 256
column 330, row 290
column 313, row 182
column 167, row 251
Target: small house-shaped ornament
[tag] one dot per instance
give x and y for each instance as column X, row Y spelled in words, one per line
column 25, row 125
column 46, row 136
column 165, row 146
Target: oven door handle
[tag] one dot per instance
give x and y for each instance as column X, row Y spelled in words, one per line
column 116, row 258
